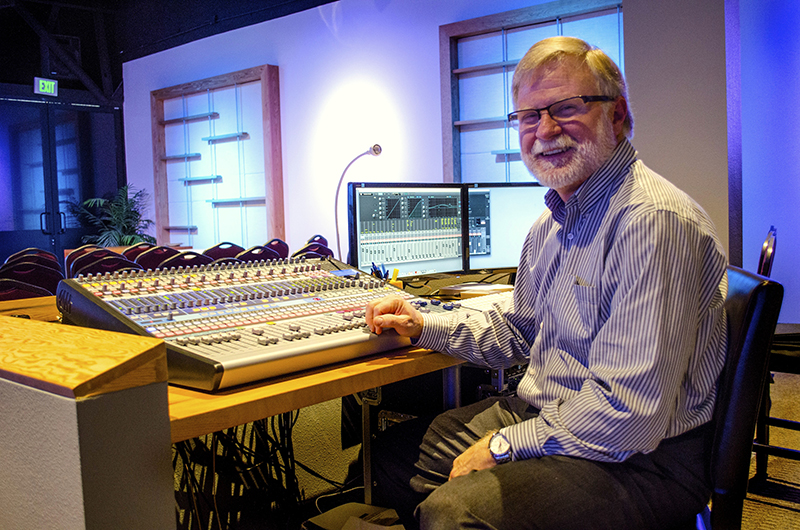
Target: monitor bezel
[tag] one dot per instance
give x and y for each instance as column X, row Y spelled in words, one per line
column 465, row 221
column 352, row 188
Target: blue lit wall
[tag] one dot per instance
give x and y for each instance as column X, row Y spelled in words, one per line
column 770, row 53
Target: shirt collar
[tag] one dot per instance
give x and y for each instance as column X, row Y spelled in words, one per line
column 597, row 185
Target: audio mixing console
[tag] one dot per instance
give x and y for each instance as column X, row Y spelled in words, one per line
column 227, row 325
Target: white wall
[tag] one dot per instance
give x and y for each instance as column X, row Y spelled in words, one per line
column 357, row 72
column 352, row 73
column 770, row 51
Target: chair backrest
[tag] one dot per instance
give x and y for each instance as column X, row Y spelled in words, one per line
column 188, row 258
column 107, row 264
column 280, row 246
column 17, row 290
column 33, row 274
column 768, row 252
column 86, row 258
column 33, row 251
column 223, row 250
column 152, row 258
column 80, row 251
column 226, row 261
column 133, row 251
column 313, row 250
column 317, row 238
column 34, row 258
column 752, row 305
column 258, row 253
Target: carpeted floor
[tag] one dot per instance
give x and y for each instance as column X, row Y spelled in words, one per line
column 775, row 505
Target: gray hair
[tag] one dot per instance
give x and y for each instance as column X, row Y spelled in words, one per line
column 553, row 51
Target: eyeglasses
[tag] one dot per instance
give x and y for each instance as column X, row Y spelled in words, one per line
column 564, row 109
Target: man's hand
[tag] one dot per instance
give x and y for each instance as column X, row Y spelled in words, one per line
column 475, row 458
column 394, row 312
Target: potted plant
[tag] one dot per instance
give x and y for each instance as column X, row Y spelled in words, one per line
column 119, row 221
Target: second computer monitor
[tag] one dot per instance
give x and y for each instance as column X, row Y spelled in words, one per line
column 499, row 216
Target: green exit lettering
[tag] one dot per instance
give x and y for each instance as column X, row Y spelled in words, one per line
column 48, row 87
column 45, row 86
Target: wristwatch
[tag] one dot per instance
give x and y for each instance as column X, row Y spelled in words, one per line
column 500, row 448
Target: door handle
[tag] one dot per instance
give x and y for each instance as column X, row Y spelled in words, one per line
column 63, row 227
column 42, row 224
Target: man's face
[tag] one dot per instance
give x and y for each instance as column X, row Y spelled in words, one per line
column 563, row 154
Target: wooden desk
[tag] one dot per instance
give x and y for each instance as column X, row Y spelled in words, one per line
column 195, row 413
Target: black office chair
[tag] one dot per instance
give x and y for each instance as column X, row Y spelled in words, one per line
column 784, row 358
column 752, row 305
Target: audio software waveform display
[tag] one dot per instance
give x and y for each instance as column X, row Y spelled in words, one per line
column 417, row 230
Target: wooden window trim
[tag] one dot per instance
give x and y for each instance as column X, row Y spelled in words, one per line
column 448, row 61
column 273, row 163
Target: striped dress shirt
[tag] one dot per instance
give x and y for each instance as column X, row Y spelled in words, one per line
column 618, row 311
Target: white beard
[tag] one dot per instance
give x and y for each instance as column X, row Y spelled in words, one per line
column 587, row 157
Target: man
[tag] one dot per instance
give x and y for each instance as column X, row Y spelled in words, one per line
column 617, row 308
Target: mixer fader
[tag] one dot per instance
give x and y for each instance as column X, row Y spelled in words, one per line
column 226, row 325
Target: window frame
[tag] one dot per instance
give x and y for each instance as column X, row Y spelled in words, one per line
column 449, row 35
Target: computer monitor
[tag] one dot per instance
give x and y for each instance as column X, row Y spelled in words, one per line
column 499, row 216
column 412, row 227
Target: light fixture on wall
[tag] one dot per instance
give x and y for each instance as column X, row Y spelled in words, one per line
column 375, row 150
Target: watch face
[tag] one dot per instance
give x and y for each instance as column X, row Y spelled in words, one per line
column 498, row 445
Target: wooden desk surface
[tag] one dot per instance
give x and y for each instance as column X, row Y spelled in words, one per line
column 195, row 413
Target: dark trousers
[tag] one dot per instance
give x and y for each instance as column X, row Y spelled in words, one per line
column 412, row 462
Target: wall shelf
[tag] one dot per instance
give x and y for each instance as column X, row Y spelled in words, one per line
column 481, row 121
column 239, row 200
column 181, row 157
column 184, row 119
column 506, row 152
column 200, row 179
column 483, row 67
column 222, row 137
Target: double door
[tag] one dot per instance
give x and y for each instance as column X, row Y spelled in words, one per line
column 52, row 154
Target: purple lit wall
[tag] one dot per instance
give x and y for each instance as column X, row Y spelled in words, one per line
column 357, row 72
column 770, row 52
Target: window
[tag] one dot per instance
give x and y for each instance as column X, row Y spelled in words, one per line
column 478, row 57
column 217, row 155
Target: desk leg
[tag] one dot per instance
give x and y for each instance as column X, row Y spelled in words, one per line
column 452, row 387
column 369, row 397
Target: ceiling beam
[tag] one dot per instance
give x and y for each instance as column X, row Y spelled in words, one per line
column 62, row 54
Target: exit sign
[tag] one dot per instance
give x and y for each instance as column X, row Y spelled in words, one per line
column 48, row 87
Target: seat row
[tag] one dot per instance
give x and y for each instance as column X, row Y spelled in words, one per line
column 36, row 272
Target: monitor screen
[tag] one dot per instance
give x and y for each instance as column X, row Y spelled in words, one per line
column 412, row 227
column 499, row 216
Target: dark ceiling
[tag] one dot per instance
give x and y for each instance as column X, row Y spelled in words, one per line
column 86, row 41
